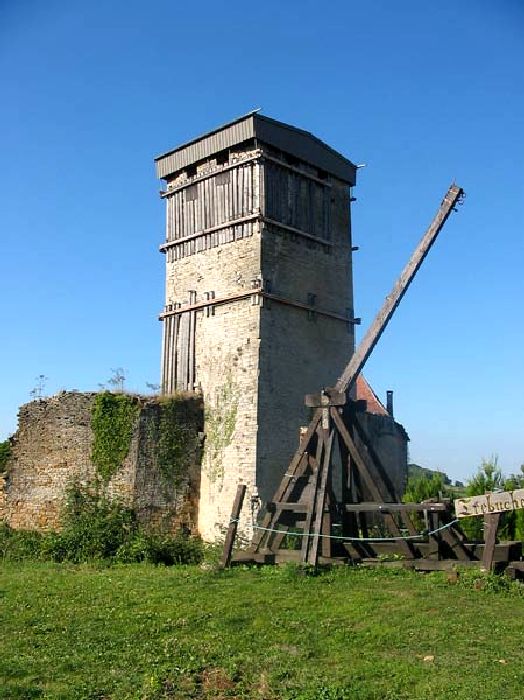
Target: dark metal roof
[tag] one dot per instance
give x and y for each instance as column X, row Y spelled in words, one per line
column 285, row 137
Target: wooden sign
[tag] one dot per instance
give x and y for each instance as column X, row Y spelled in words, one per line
column 502, row 502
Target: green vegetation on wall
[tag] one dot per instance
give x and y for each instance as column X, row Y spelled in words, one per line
column 220, row 421
column 5, row 453
column 97, row 528
column 112, row 419
column 173, row 432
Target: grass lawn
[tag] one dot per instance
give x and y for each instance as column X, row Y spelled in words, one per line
column 137, row 631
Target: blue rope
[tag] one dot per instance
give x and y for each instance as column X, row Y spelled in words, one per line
column 359, row 539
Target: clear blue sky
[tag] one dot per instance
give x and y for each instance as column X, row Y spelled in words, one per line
column 422, row 92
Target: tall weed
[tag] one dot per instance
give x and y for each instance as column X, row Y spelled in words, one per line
column 95, row 528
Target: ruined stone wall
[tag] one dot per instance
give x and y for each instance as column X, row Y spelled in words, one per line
column 51, row 451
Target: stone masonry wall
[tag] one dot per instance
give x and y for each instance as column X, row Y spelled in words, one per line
column 226, row 359
column 390, row 444
column 301, row 352
column 51, row 450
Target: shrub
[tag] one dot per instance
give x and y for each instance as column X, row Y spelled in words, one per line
column 161, row 549
column 422, row 487
column 94, row 527
column 487, row 479
column 5, row 453
column 98, row 529
column 19, row 545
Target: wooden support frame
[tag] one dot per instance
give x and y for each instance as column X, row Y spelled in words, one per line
column 361, row 468
column 320, row 497
column 305, row 500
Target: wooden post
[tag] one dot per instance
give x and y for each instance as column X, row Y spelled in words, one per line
column 312, row 493
column 233, row 526
column 431, row 523
column 320, row 500
column 326, row 544
column 491, row 525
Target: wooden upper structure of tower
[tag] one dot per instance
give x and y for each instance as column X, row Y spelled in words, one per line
column 257, row 128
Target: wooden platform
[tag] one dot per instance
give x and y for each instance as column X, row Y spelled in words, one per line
column 506, row 554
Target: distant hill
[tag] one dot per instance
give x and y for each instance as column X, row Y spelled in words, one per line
column 453, row 489
column 415, row 470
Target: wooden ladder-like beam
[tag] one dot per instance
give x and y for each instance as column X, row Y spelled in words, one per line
column 368, row 343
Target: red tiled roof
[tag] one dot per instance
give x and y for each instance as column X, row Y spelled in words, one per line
column 365, row 393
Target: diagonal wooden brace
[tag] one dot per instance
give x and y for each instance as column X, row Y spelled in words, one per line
column 370, row 482
column 320, row 500
column 296, row 468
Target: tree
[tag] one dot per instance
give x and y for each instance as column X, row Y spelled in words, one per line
column 37, row 391
column 117, row 379
column 489, row 479
column 421, row 488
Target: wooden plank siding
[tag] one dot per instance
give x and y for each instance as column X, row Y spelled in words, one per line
column 178, row 361
column 213, row 211
column 295, row 199
column 227, row 204
column 224, row 207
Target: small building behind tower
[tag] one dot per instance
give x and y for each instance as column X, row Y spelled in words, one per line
column 259, row 299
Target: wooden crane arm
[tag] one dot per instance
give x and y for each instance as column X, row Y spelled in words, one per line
column 364, row 350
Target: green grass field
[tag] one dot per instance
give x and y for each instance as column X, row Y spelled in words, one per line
column 138, row 631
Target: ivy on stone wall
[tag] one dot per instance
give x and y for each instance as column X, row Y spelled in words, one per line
column 220, row 422
column 175, row 435
column 113, row 418
column 5, row 453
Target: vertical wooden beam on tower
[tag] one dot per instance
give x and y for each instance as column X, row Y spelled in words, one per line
column 191, row 349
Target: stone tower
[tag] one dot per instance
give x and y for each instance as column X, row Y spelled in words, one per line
column 259, row 300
